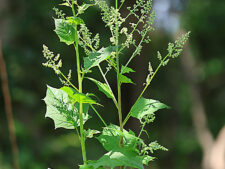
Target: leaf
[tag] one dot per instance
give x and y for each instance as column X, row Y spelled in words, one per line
column 65, row 31
column 65, row 4
column 83, row 8
column 145, row 107
column 86, row 166
column 78, row 97
column 61, row 109
column 124, row 79
column 126, row 70
column 95, row 58
column 119, row 158
column 90, row 133
column 75, row 20
column 103, row 87
column 110, row 138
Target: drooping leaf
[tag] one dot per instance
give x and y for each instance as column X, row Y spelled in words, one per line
column 62, row 110
column 126, row 70
column 65, row 31
column 124, row 79
column 145, row 107
column 103, row 87
column 78, row 97
column 123, row 157
column 90, row 133
column 95, row 58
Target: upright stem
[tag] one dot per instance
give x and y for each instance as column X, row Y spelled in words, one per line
column 82, row 139
column 118, row 80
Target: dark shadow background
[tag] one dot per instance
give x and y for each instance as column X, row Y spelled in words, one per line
column 26, row 25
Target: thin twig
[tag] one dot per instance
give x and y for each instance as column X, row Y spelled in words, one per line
column 8, row 110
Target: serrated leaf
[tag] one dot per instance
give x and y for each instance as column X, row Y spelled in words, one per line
column 62, row 110
column 146, row 106
column 126, row 70
column 90, row 133
column 95, row 58
column 102, row 87
column 65, row 31
column 122, row 157
column 78, row 97
column 125, row 79
column 110, row 138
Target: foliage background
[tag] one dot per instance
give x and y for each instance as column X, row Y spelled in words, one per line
column 26, row 25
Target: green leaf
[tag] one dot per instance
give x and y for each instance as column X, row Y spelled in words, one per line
column 62, row 110
column 95, row 58
column 146, row 107
column 83, row 8
column 124, row 79
column 110, row 138
column 119, row 158
column 75, row 20
column 65, row 4
column 90, row 133
column 86, row 166
column 78, row 97
column 65, row 31
column 103, row 87
column 147, row 159
column 126, row 70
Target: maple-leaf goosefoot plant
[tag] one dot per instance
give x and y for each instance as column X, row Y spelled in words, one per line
column 68, row 106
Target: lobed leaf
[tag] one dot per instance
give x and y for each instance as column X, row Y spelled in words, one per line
column 95, row 58
column 146, row 107
column 62, row 110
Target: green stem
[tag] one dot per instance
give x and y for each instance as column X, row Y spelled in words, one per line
column 80, row 105
column 139, row 135
column 118, row 80
column 99, row 115
column 114, row 99
column 146, row 86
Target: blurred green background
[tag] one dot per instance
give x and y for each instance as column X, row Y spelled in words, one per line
column 26, row 25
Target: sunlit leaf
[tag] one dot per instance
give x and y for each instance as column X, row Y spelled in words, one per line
column 122, row 157
column 62, row 110
column 65, row 31
column 145, row 107
column 75, row 20
column 103, row 87
column 95, row 58
column 110, row 138
column 90, row 133
column 78, row 97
